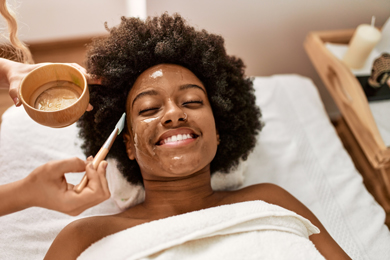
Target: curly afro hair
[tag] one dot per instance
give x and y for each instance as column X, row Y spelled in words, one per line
column 134, row 46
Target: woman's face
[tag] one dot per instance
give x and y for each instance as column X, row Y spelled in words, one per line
column 171, row 125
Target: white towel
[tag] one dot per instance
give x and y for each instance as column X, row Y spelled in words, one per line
column 247, row 230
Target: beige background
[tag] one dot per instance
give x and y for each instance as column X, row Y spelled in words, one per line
column 267, row 34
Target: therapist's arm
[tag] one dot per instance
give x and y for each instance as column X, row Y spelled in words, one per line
column 46, row 187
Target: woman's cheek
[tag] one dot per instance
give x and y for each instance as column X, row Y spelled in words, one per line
column 145, row 135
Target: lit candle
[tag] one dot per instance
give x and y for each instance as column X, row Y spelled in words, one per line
column 362, row 43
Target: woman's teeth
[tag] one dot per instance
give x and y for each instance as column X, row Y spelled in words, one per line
column 176, row 138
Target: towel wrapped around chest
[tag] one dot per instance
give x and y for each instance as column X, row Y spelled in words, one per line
column 246, row 230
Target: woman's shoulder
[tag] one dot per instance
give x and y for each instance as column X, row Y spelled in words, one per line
column 80, row 234
column 82, row 228
column 269, row 193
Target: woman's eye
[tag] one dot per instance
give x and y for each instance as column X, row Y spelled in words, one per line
column 193, row 103
column 148, row 111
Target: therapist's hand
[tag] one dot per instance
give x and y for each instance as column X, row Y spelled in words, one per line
column 12, row 73
column 46, row 186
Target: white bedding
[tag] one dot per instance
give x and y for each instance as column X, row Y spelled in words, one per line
column 237, row 231
column 297, row 149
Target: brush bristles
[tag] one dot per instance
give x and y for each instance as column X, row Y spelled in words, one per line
column 121, row 123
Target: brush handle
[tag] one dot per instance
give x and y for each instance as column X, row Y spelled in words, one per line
column 79, row 187
column 98, row 158
column 95, row 163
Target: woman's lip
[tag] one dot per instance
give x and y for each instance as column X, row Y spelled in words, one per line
column 175, row 132
column 178, row 143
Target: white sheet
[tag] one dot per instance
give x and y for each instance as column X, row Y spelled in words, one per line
column 298, row 149
column 380, row 111
column 237, row 231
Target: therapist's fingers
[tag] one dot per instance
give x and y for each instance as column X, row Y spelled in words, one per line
column 90, row 80
column 55, row 170
column 88, row 160
column 59, row 168
column 94, row 81
column 102, row 170
column 14, row 93
column 17, row 71
column 94, row 193
column 97, row 179
column 70, row 186
column 89, row 107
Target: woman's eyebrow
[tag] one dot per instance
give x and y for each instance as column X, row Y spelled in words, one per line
column 187, row 86
column 153, row 92
column 145, row 93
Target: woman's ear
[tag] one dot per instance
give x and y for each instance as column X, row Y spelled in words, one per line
column 128, row 140
column 218, row 139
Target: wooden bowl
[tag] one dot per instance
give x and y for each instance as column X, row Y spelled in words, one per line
column 37, row 81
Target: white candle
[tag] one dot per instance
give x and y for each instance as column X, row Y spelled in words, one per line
column 362, row 43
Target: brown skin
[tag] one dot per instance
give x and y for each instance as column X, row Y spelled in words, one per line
column 176, row 173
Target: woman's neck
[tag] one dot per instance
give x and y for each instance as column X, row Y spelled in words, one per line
column 179, row 196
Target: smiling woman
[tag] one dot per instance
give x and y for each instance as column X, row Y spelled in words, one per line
column 135, row 46
column 190, row 112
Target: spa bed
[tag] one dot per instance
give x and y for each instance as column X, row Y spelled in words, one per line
column 297, row 149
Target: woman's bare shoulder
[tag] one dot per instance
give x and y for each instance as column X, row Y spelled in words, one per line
column 269, row 193
column 80, row 234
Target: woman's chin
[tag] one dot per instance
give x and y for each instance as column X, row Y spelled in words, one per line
column 180, row 171
column 184, row 169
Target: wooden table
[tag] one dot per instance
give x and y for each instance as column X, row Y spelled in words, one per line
column 357, row 127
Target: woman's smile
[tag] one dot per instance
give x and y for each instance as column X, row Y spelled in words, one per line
column 177, row 138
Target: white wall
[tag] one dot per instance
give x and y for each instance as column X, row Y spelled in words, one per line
column 267, row 34
column 41, row 20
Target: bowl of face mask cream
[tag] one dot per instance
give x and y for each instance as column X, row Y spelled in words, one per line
column 54, row 95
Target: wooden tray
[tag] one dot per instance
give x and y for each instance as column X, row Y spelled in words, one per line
column 349, row 96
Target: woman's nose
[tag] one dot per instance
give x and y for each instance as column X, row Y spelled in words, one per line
column 174, row 115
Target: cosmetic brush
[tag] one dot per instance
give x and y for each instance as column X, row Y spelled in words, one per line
column 103, row 151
